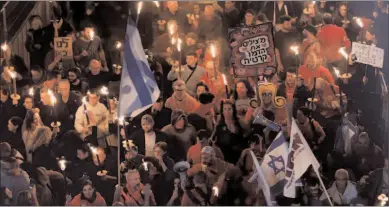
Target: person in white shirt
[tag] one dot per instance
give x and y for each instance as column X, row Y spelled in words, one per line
column 342, row 190
column 96, row 111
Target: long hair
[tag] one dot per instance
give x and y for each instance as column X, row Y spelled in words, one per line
column 29, row 119
column 250, row 90
column 41, row 137
column 94, row 195
column 234, row 114
column 23, row 198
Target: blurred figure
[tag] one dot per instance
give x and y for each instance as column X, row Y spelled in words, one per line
column 88, row 197
column 342, row 190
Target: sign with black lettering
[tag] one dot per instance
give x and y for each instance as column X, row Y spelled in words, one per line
column 368, row 54
column 252, row 49
column 63, row 46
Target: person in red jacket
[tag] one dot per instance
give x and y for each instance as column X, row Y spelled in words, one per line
column 312, row 69
column 331, row 38
column 88, row 197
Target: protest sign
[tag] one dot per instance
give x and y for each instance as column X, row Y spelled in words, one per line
column 368, row 54
column 252, row 49
column 63, row 46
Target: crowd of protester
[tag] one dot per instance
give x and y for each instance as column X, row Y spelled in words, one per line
column 59, row 138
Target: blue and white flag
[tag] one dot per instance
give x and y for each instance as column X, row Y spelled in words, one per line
column 138, row 88
column 274, row 163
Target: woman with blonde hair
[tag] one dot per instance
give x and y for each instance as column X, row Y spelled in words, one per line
column 41, row 149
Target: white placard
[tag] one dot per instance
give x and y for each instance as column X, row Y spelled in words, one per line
column 368, row 54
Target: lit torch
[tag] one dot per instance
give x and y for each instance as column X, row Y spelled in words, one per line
column 156, row 3
column 344, row 53
column 179, row 42
column 215, row 191
column 225, row 85
column 359, row 22
column 139, row 9
column 295, row 49
column 104, row 91
column 213, row 53
column 84, row 102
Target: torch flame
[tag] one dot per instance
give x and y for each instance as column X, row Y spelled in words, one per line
column 216, row 191
column 31, row 91
column 104, row 90
column 62, row 164
column 359, row 22
column 295, row 49
column 118, row 45
column 92, row 35
column 173, row 41
column 140, row 5
column 84, row 100
column 121, row 120
column 171, row 28
column 145, row 166
column 93, row 149
column 213, row 51
column 343, row 52
column 156, row 3
column 179, row 44
column 313, row 2
column 337, row 72
column 4, row 47
column 224, row 79
column 12, row 74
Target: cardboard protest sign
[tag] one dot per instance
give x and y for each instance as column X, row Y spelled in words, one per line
column 368, row 54
column 252, row 49
column 63, row 46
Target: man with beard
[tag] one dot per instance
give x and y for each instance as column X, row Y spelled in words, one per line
column 312, row 192
column 366, row 156
column 37, row 75
column 181, row 99
column 67, row 105
column 376, row 183
column 146, row 137
column 284, row 39
column 213, row 167
column 135, row 193
column 287, row 88
column 181, row 135
column 76, row 84
column 190, row 74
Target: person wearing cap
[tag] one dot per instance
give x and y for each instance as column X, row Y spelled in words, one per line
column 181, row 135
column 146, row 137
column 286, row 37
column 194, row 153
column 190, row 74
column 211, row 165
column 181, row 99
column 310, row 44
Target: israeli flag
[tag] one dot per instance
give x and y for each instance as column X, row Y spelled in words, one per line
column 138, row 88
column 274, row 163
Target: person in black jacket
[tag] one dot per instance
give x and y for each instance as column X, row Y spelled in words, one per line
column 99, row 76
column 43, row 148
column 15, row 135
column 67, row 105
column 35, row 41
column 146, row 138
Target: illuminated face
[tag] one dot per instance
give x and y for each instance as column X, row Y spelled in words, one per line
column 147, row 127
column 133, row 180
column 290, row 78
column 72, row 77
column 11, row 127
column 158, row 152
column 311, row 62
column 36, row 23
column 343, row 10
column 172, row 6
column 95, row 67
column 249, row 18
column 28, row 103
column 88, row 191
column 209, row 10
column 227, row 111
column 200, row 90
column 287, row 25
column 64, row 88
column 45, row 98
column 206, row 158
column 93, row 99
column 190, row 41
column 267, row 97
column 89, row 33
column 191, row 60
column 36, row 76
column 341, row 181
column 37, row 119
column 180, row 123
column 241, row 90
column 369, row 36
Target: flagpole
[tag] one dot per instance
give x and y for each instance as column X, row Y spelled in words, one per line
column 118, row 153
column 322, row 185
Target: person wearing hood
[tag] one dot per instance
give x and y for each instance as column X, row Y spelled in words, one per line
column 88, row 197
column 181, row 99
column 181, row 135
column 146, row 137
